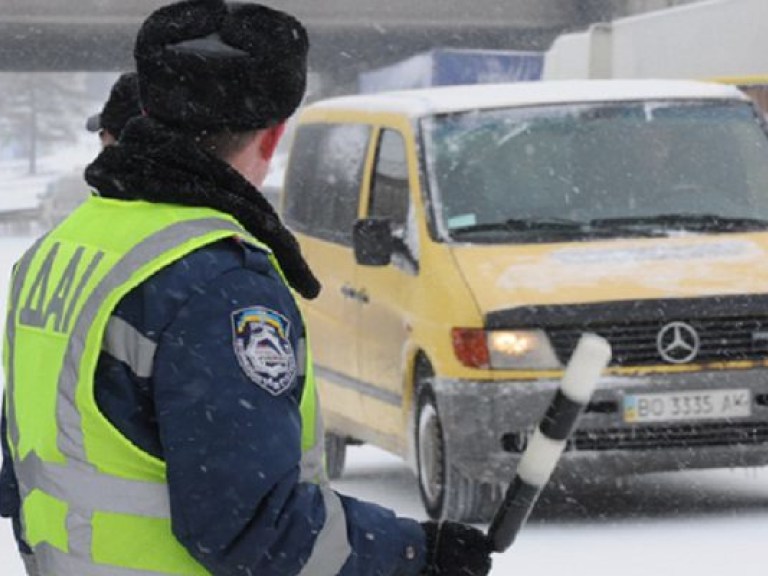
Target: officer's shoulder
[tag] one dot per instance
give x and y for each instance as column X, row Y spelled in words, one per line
column 155, row 302
column 256, row 257
column 193, row 273
column 221, row 257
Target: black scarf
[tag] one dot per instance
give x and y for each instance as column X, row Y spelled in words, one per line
column 157, row 164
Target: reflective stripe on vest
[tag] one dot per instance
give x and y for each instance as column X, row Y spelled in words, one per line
column 83, row 502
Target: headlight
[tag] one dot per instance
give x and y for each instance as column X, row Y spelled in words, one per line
column 504, row 349
column 521, row 349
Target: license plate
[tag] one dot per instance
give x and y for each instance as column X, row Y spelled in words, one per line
column 693, row 405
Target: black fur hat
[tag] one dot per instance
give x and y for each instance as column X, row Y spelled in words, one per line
column 207, row 65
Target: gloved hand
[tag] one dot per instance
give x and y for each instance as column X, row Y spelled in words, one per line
column 455, row 549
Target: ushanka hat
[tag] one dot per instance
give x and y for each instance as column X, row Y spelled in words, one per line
column 207, row 65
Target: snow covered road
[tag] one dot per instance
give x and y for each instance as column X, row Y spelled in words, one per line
column 685, row 524
column 688, row 524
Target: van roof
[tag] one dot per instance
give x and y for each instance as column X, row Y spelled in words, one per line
column 446, row 99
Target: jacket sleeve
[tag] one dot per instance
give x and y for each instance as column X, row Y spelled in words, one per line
column 231, row 441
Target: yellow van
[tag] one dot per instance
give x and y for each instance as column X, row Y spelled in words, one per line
column 466, row 236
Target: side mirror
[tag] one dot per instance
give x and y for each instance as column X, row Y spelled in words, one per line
column 373, row 242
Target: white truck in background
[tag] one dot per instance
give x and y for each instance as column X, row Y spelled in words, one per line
column 710, row 40
column 452, row 66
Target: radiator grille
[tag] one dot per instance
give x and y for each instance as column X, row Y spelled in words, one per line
column 635, row 343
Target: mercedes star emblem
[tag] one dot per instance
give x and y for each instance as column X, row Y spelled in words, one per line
column 678, row 342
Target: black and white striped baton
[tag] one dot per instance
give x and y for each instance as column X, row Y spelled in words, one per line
column 537, row 463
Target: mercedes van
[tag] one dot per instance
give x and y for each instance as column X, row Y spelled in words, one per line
column 467, row 236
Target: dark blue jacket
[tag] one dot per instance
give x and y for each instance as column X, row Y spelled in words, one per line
column 232, row 449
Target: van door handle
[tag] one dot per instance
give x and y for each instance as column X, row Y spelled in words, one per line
column 347, row 291
column 359, row 295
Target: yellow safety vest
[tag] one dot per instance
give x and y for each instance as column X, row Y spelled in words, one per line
column 92, row 502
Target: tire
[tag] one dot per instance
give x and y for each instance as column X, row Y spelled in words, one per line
column 335, row 455
column 446, row 493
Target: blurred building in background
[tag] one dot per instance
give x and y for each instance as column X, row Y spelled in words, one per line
column 348, row 36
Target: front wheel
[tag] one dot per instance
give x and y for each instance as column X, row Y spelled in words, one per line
column 430, row 455
column 445, row 492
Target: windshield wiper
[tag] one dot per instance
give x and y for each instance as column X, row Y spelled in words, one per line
column 544, row 224
column 523, row 225
column 684, row 221
column 650, row 226
column 553, row 227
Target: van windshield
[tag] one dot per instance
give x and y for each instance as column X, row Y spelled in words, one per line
column 578, row 171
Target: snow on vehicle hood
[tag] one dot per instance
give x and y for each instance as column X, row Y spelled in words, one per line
column 685, row 267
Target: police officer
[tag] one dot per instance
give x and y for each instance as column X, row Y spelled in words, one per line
column 121, row 105
column 161, row 409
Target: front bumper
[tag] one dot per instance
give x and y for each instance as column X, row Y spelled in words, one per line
column 486, row 425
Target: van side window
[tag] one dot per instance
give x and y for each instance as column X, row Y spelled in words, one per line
column 389, row 187
column 390, row 198
column 322, row 184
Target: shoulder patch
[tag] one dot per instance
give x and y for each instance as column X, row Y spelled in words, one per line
column 260, row 337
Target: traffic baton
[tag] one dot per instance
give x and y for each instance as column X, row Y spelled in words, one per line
column 539, row 459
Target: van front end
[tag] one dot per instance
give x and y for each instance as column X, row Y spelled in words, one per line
column 687, row 387
column 633, row 424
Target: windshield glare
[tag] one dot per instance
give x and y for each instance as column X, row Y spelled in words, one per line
column 590, row 162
